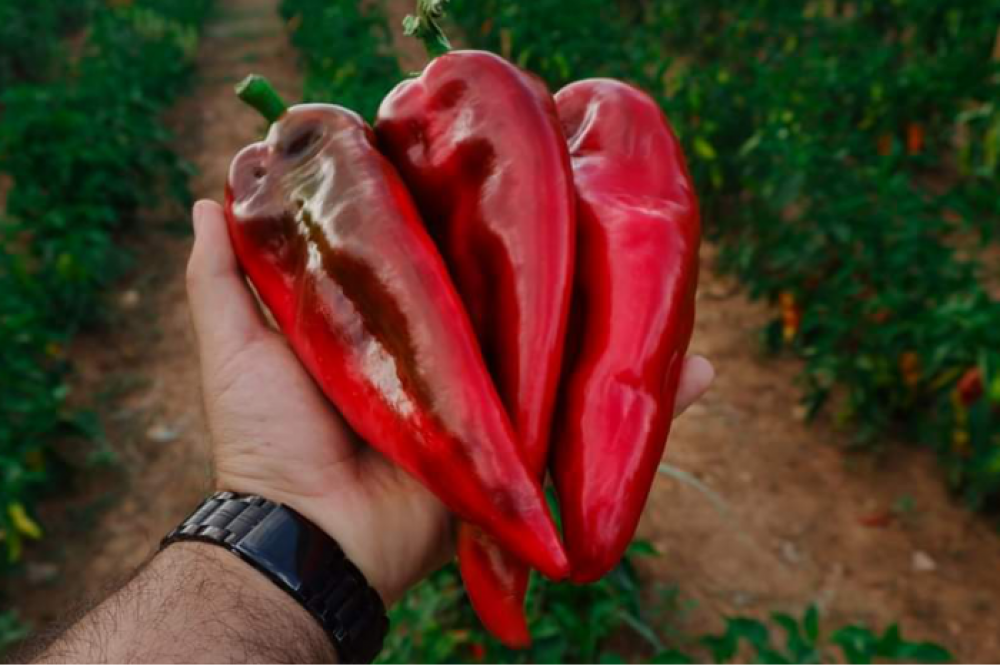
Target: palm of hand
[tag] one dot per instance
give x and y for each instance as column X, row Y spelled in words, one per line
column 276, row 435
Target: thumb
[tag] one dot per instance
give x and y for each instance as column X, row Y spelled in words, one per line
column 696, row 378
column 224, row 311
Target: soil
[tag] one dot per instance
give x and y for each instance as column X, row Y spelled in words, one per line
column 786, row 515
column 772, row 513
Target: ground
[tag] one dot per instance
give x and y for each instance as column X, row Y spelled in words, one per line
column 772, row 513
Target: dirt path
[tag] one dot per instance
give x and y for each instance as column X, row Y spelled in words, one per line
column 144, row 368
column 801, row 520
column 787, row 522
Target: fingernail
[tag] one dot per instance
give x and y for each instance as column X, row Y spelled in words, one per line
column 706, row 364
column 198, row 216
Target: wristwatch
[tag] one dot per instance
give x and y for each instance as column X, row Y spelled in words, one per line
column 302, row 560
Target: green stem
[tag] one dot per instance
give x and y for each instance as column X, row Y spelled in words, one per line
column 426, row 27
column 258, row 92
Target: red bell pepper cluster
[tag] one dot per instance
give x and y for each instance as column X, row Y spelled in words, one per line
column 490, row 284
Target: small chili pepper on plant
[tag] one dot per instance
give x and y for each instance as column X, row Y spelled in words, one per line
column 970, row 386
column 910, row 369
column 791, row 316
column 914, row 138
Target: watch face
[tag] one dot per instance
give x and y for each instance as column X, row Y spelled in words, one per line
column 302, row 560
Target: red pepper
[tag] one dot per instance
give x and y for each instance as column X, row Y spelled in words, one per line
column 632, row 316
column 479, row 145
column 970, row 386
column 914, row 138
column 791, row 316
column 910, row 369
column 327, row 232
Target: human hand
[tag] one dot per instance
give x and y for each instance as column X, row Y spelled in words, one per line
column 274, row 433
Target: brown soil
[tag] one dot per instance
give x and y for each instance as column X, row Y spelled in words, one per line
column 794, row 518
column 784, row 516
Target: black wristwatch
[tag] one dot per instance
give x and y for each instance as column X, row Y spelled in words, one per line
column 302, row 560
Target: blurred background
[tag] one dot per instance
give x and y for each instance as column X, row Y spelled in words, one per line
column 833, row 498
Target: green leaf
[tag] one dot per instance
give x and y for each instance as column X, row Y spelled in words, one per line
column 789, row 191
column 642, row 548
column 769, row 656
column 723, row 648
column 810, row 623
column 890, row 641
column 926, row 653
column 704, row 149
column 673, row 656
column 994, row 390
column 647, row 632
column 798, row 649
column 12, row 629
column 857, row 643
column 750, row 144
column 750, row 630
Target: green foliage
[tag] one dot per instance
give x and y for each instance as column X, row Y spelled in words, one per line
column 83, row 151
column 843, row 152
column 563, row 41
column 616, row 619
column 31, row 34
column 435, row 623
column 804, row 644
column 11, row 630
column 345, row 52
column 84, row 155
column 861, row 646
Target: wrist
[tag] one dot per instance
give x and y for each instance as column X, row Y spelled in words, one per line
column 299, row 559
column 209, row 565
column 193, row 603
column 338, row 523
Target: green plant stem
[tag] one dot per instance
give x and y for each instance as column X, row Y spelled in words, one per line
column 426, row 27
column 258, row 92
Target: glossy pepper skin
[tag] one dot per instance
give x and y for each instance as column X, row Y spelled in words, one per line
column 328, row 234
column 633, row 312
column 479, row 145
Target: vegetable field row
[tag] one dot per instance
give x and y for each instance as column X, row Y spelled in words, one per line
column 82, row 150
column 33, row 36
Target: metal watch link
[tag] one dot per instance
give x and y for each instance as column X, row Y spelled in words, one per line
column 302, row 560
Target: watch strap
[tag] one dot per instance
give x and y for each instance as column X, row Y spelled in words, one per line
column 301, row 559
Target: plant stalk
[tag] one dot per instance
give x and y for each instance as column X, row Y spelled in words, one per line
column 258, row 92
column 426, row 27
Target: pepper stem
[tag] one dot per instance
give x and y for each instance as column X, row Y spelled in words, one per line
column 258, row 92
column 426, row 27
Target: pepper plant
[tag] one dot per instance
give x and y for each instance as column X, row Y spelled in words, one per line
column 32, row 36
column 82, row 148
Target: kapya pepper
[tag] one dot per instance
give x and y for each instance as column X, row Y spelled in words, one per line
column 327, row 232
column 478, row 143
column 638, row 234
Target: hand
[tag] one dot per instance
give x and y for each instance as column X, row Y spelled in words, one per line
column 274, row 433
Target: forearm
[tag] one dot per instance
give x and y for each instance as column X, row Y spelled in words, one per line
column 194, row 603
